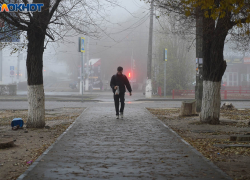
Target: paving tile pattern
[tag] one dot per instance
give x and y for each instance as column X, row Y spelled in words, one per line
column 99, row 146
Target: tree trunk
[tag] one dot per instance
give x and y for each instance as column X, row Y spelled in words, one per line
column 36, row 35
column 210, row 112
column 34, row 63
column 214, row 66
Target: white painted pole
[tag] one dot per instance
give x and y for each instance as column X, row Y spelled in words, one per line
column 165, row 77
column 82, row 74
column 18, row 64
column 87, row 60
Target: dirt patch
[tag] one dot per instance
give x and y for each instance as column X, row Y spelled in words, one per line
column 30, row 143
column 233, row 160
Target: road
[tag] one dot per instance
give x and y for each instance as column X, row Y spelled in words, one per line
column 107, row 97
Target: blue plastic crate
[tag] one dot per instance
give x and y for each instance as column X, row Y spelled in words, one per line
column 17, row 121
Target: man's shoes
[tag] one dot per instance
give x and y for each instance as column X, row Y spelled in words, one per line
column 117, row 116
column 121, row 114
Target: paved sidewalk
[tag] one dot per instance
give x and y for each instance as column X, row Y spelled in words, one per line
column 139, row 147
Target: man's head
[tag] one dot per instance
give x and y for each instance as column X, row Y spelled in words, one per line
column 119, row 70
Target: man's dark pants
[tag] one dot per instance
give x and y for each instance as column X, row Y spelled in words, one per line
column 122, row 99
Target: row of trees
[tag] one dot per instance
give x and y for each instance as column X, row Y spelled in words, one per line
column 222, row 20
column 180, row 65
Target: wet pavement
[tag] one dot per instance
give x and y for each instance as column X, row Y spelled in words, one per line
column 98, row 146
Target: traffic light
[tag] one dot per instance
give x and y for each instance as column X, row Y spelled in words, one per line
column 129, row 75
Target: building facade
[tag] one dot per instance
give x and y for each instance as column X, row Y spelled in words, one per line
column 238, row 72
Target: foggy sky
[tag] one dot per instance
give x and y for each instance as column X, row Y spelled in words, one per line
column 56, row 54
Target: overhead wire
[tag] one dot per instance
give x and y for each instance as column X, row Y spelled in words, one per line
column 131, row 27
column 122, row 40
column 141, row 7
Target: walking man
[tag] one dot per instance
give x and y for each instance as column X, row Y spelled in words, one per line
column 118, row 83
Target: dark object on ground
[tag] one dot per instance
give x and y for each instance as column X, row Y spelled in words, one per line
column 15, row 127
column 228, row 106
column 240, row 138
column 188, row 108
column 47, row 127
column 17, row 121
column 6, row 143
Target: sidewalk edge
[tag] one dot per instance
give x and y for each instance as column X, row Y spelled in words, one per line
column 164, row 99
column 54, row 100
column 48, row 149
column 193, row 149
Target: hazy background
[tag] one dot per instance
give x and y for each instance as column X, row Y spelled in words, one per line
column 125, row 35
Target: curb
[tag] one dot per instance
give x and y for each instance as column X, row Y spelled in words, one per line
column 193, row 149
column 188, row 100
column 47, row 150
column 75, row 100
column 59, row 100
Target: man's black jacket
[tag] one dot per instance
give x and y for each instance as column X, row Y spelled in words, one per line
column 121, row 81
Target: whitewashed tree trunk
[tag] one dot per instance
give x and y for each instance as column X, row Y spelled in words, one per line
column 211, row 101
column 148, row 89
column 36, row 107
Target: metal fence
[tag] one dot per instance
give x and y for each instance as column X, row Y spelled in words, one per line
column 225, row 94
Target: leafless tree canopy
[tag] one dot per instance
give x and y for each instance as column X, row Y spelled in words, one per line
column 59, row 17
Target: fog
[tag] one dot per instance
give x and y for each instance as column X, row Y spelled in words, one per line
column 122, row 40
column 125, row 35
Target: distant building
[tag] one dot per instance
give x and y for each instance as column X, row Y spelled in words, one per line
column 8, row 60
column 9, row 67
column 238, row 69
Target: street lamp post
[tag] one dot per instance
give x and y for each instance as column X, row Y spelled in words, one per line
column 148, row 90
column 199, row 60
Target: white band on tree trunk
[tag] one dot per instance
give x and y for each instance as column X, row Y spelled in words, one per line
column 36, row 107
column 211, row 101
